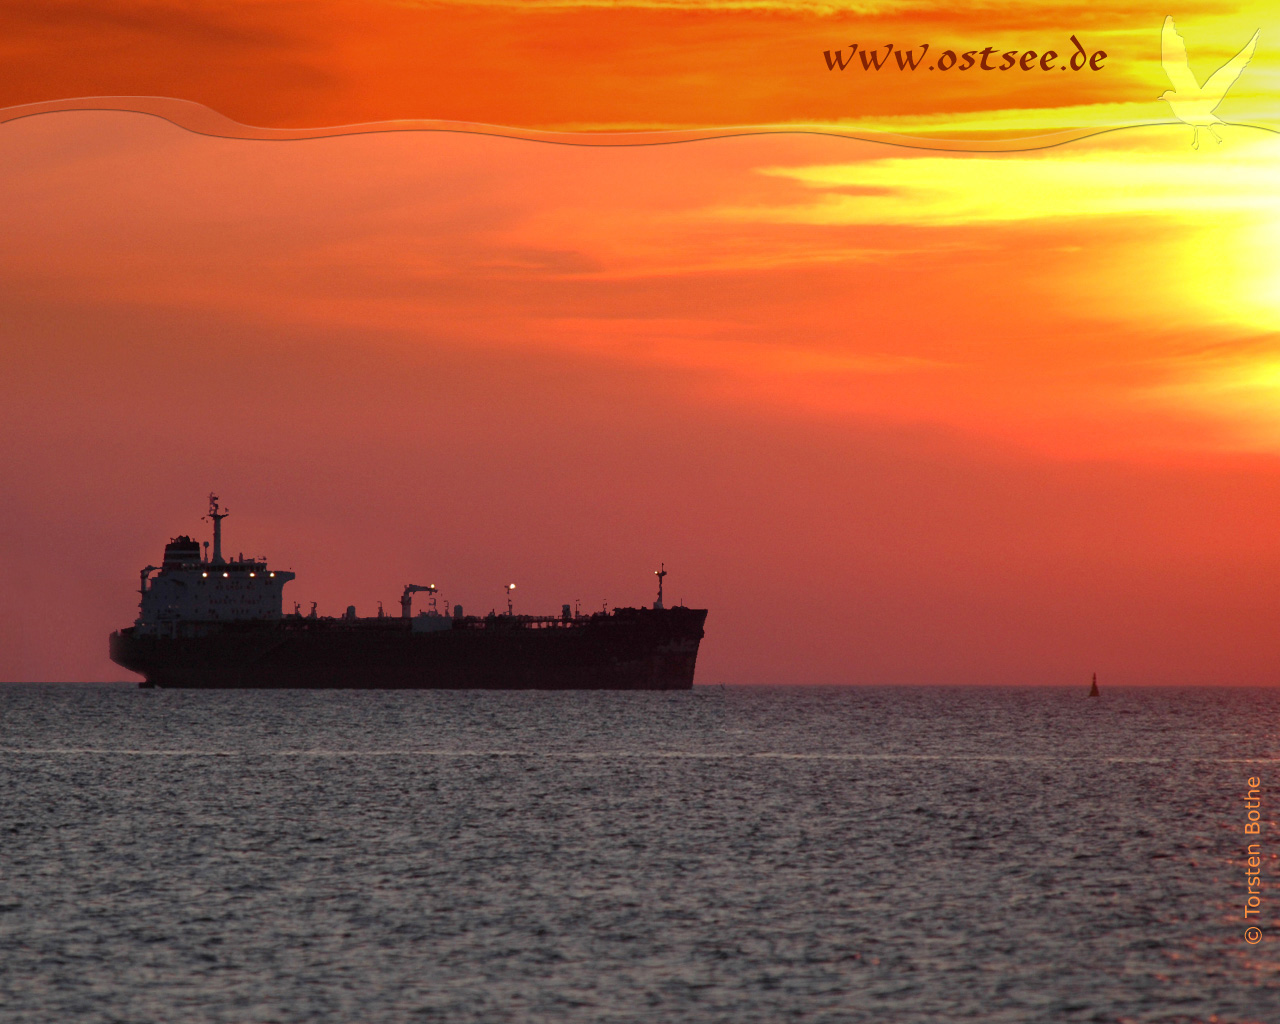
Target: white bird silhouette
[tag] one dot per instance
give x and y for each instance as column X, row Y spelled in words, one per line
column 1191, row 103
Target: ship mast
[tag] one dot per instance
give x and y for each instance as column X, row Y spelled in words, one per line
column 660, row 573
column 217, row 518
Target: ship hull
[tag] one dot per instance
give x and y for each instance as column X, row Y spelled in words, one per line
column 630, row 649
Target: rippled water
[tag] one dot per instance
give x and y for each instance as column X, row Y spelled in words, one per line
column 732, row 855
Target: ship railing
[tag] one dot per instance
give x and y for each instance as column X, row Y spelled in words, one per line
column 518, row 622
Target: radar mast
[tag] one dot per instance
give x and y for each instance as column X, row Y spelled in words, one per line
column 217, row 517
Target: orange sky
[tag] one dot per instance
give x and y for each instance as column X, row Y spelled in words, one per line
column 599, row 64
column 892, row 415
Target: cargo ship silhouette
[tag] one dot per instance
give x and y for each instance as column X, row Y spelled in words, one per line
column 208, row 622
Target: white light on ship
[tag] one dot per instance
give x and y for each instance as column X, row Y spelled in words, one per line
column 252, row 575
column 272, row 575
column 225, row 575
column 205, row 575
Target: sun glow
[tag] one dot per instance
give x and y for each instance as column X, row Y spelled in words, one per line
column 1149, row 172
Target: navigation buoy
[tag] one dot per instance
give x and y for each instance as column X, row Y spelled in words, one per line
column 1093, row 690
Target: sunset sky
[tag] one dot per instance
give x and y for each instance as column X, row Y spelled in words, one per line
column 894, row 415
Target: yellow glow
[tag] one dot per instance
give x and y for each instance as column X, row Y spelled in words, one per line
column 1249, row 271
column 1212, row 215
column 1156, row 174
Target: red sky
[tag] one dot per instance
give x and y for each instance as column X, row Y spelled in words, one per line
column 892, row 416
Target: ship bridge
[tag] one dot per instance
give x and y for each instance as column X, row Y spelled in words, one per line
column 189, row 587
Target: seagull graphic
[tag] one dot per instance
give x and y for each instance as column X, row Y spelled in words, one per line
column 1192, row 103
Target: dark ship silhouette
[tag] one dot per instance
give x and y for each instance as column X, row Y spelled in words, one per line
column 208, row 622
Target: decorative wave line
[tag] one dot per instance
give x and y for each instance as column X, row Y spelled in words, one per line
column 201, row 120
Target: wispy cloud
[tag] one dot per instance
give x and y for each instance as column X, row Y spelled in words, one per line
column 1095, row 181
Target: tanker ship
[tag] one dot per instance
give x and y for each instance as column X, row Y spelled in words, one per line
column 208, row 622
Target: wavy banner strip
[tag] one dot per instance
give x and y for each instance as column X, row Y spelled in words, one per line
column 202, row 120
column 915, row 73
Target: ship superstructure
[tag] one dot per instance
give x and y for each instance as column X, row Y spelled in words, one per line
column 206, row 621
column 191, row 590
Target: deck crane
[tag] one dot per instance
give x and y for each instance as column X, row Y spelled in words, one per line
column 406, row 599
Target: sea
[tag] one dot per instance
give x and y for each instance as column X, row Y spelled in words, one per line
column 726, row 854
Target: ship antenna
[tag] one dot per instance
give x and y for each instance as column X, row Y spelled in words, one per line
column 217, row 517
column 660, row 573
column 510, row 587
